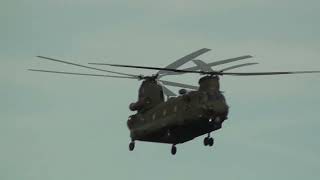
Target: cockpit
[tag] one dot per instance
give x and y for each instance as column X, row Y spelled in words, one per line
column 215, row 96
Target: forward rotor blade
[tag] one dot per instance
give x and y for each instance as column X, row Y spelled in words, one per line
column 81, row 74
column 168, row 83
column 268, row 73
column 216, row 63
column 88, row 67
column 184, row 60
column 237, row 66
column 168, row 92
column 203, row 66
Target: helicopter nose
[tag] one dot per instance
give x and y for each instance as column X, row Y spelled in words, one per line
column 217, row 109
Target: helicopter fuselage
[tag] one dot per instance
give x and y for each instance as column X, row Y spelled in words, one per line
column 180, row 119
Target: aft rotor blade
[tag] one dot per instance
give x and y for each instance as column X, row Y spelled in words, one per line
column 214, row 72
column 81, row 74
column 237, row 66
column 88, row 67
column 152, row 68
column 203, row 66
column 168, row 83
column 230, row 60
column 184, row 60
column 167, row 91
column 216, row 63
column 268, row 73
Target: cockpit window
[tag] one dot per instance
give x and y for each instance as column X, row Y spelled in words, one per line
column 203, row 98
column 215, row 96
column 212, row 97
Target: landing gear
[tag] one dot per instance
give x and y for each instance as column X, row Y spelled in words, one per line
column 211, row 141
column 173, row 149
column 131, row 146
column 208, row 141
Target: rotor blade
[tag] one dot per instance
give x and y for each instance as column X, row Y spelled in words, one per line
column 237, row 66
column 203, row 66
column 153, row 68
column 168, row 92
column 81, row 74
column 177, row 71
column 216, row 63
column 88, row 67
column 214, row 72
column 168, row 83
column 268, row 73
column 184, row 60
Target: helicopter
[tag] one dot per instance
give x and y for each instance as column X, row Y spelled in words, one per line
column 176, row 119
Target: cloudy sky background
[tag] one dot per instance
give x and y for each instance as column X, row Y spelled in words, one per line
column 65, row 127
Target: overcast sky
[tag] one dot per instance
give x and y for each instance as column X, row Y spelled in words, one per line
column 60, row 127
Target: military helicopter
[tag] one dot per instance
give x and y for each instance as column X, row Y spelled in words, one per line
column 177, row 119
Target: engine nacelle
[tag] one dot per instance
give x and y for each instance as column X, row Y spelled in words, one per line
column 136, row 106
column 182, row 91
column 133, row 107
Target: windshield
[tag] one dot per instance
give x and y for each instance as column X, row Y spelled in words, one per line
column 215, row 96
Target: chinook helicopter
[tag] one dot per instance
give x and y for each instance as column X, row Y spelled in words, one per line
column 196, row 111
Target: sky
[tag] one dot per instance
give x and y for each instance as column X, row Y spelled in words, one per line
column 59, row 127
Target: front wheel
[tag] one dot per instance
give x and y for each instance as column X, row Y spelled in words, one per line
column 131, row 146
column 210, row 141
column 173, row 150
column 206, row 141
